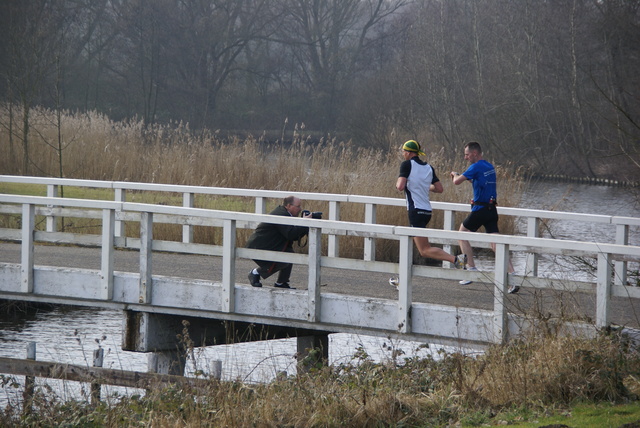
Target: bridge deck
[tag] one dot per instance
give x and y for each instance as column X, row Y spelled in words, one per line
column 477, row 295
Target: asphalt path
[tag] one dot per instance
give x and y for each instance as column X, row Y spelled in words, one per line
column 536, row 303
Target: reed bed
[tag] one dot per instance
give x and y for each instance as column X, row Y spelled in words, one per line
column 91, row 146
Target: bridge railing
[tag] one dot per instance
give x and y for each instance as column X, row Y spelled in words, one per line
column 532, row 218
column 149, row 214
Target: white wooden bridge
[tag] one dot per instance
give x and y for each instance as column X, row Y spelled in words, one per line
column 154, row 304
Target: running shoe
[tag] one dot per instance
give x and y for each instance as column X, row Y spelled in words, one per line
column 466, row 281
column 460, row 262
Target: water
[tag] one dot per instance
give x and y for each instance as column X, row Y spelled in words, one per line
column 581, row 198
column 71, row 336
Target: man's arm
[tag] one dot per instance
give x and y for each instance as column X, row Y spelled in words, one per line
column 457, row 178
column 401, row 183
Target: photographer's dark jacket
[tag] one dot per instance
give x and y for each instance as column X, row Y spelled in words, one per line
column 276, row 237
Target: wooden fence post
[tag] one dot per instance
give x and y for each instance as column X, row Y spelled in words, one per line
column 98, row 357
column 29, row 382
column 216, row 370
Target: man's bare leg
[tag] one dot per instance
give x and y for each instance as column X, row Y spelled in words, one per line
column 466, row 248
column 427, row 251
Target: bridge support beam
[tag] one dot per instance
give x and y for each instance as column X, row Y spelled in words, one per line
column 167, row 362
column 313, row 352
column 169, row 337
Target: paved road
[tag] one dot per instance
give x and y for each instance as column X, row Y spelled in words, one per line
column 479, row 295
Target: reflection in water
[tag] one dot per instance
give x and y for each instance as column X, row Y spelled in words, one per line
column 71, row 336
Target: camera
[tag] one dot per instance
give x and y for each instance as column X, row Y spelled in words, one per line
column 316, row 214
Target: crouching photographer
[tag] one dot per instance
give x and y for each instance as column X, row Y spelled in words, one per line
column 278, row 237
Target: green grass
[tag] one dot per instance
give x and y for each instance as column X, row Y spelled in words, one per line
column 600, row 415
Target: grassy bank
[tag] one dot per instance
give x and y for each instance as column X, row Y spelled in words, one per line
column 519, row 384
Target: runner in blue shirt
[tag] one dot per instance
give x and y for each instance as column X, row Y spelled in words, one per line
column 482, row 176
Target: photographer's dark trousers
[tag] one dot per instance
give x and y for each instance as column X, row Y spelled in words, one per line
column 266, row 269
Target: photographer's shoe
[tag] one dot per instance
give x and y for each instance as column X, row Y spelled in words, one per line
column 284, row 285
column 254, row 279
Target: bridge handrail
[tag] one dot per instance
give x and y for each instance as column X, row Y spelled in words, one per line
column 606, row 253
column 353, row 228
column 361, row 199
column 532, row 216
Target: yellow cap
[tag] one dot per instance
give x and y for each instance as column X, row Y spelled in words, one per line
column 413, row 146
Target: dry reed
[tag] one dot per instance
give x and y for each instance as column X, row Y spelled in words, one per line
column 94, row 147
column 545, row 372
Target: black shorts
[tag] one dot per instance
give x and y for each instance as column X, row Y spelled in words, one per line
column 419, row 218
column 487, row 217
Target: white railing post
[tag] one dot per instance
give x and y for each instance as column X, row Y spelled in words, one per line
column 620, row 267
column 313, row 287
column 531, row 264
column 146, row 241
column 119, row 230
column 106, row 269
column 261, row 205
column 448, row 224
column 370, row 243
column 603, row 290
column 228, row 265
column 333, row 243
column 26, row 266
column 405, row 277
column 499, row 293
column 187, row 229
column 52, row 221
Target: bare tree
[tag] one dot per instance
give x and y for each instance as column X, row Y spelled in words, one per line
column 329, row 41
column 30, row 34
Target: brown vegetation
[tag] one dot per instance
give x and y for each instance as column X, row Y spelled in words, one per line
column 517, row 381
column 100, row 149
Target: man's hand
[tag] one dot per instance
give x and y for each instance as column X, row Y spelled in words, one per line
column 457, row 178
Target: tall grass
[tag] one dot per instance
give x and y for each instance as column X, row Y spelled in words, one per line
column 95, row 147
